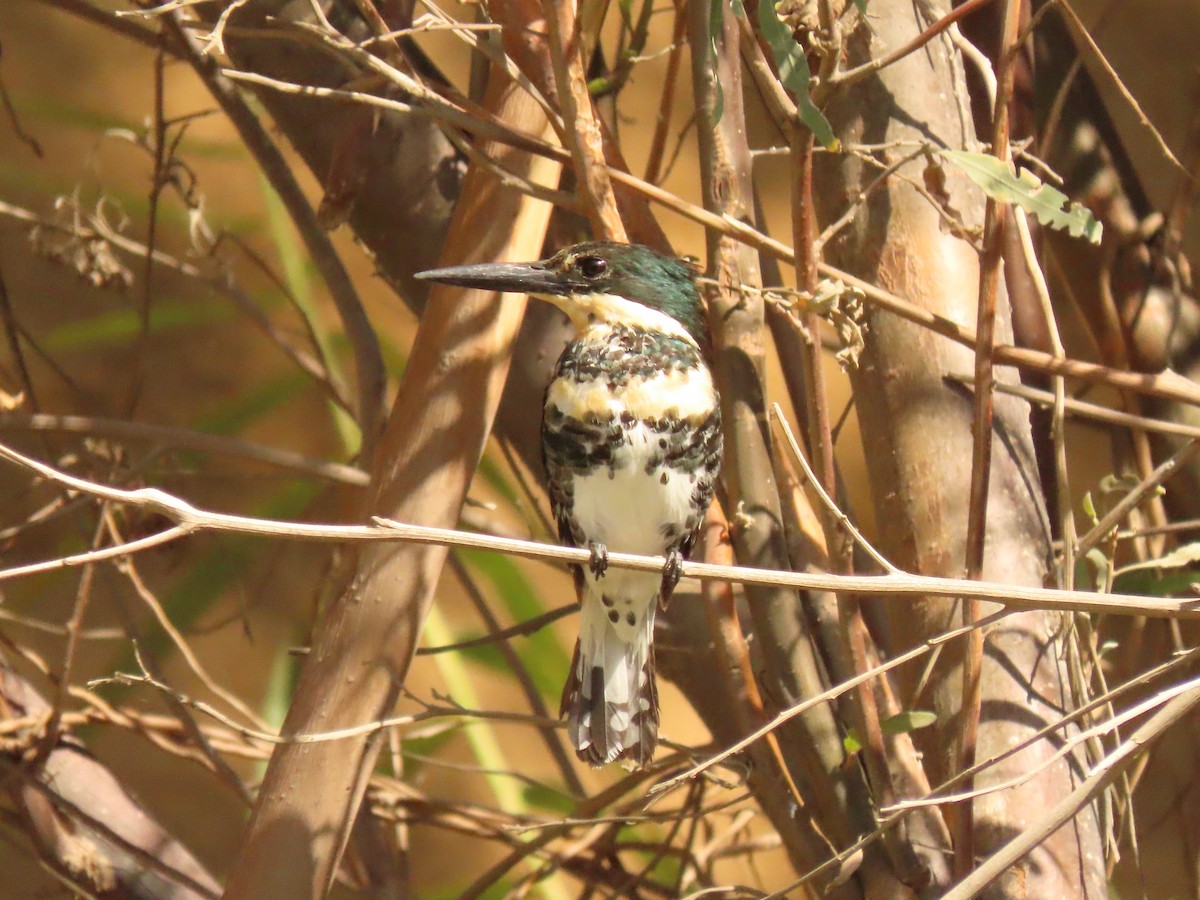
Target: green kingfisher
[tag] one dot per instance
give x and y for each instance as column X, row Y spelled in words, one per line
column 631, row 443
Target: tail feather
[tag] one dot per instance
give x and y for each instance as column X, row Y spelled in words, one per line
column 610, row 699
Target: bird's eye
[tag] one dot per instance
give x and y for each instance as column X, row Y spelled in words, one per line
column 592, row 266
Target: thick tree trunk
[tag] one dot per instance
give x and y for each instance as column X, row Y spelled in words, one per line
column 917, row 436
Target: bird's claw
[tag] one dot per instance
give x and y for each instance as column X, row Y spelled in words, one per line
column 598, row 564
column 671, row 574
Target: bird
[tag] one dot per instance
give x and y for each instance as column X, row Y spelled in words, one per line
column 631, row 446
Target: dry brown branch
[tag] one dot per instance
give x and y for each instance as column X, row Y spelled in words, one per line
column 186, row 439
column 569, row 47
column 736, row 318
column 800, row 687
column 96, row 227
column 192, row 519
column 1140, row 741
column 86, row 823
column 848, row 77
column 982, row 422
column 899, row 241
column 1167, row 384
column 1086, row 39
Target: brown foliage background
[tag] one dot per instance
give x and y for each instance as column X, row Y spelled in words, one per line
column 87, row 96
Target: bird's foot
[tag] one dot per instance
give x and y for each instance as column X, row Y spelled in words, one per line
column 671, row 574
column 598, row 564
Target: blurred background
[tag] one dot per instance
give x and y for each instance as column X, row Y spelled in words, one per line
column 74, row 146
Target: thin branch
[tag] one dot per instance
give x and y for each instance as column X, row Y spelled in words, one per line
column 368, row 358
column 521, row 629
column 850, row 76
column 890, row 818
column 1109, row 522
column 223, row 284
column 1116, row 764
column 524, row 679
column 158, row 180
column 186, row 439
column 192, row 519
column 83, row 598
column 831, row 694
column 126, row 28
column 991, row 260
column 1167, row 385
column 582, row 130
column 317, row 737
column 1116, row 81
column 662, row 124
column 798, row 454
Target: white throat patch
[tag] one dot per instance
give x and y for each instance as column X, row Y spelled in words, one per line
column 587, row 310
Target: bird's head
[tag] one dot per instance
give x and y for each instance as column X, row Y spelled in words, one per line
column 598, row 281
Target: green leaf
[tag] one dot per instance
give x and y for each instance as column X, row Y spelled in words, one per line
column 909, row 720
column 539, row 796
column 1148, row 578
column 862, row 6
column 1002, row 182
column 281, row 683
column 1151, row 584
column 1119, row 484
column 793, row 72
column 488, row 655
column 1176, row 559
column 901, row 723
column 1092, row 570
column 122, row 326
column 1089, row 508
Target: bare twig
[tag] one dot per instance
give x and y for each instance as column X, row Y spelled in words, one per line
column 1146, row 486
column 850, row 76
column 223, row 284
column 1167, row 385
column 1116, row 81
column 192, row 519
column 372, row 375
column 582, row 129
column 186, row 439
column 1103, row 775
column 499, row 635
column 990, row 264
column 798, row 455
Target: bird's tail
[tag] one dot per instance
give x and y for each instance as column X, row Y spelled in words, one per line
column 610, row 699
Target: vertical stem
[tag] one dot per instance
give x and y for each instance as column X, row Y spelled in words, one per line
column 580, row 124
column 981, row 431
column 810, row 755
column 156, row 185
column 909, row 868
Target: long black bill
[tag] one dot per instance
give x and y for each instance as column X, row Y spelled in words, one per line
column 518, row 278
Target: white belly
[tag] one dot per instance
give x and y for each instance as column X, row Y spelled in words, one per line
column 629, row 511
